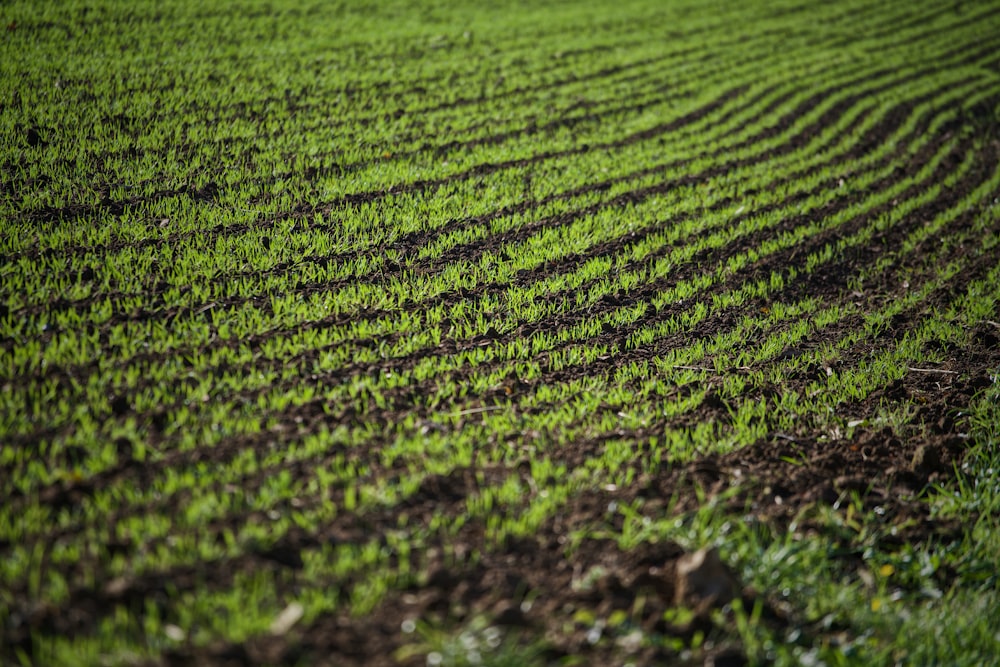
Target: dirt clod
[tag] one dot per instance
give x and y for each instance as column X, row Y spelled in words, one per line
column 703, row 578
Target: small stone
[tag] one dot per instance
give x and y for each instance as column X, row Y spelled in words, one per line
column 116, row 587
column 701, row 577
column 630, row 643
column 288, row 617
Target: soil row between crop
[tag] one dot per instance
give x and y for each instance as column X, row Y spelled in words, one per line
column 406, row 408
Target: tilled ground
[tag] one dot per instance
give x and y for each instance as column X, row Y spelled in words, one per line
column 532, row 585
column 551, row 584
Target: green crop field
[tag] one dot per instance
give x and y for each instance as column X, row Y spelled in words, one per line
column 514, row 333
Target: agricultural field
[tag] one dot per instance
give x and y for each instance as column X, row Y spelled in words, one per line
column 513, row 333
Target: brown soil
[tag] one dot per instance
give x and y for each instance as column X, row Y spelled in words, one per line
column 535, row 585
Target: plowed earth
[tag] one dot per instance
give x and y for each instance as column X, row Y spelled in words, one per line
column 536, row 585
column 528, row 583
